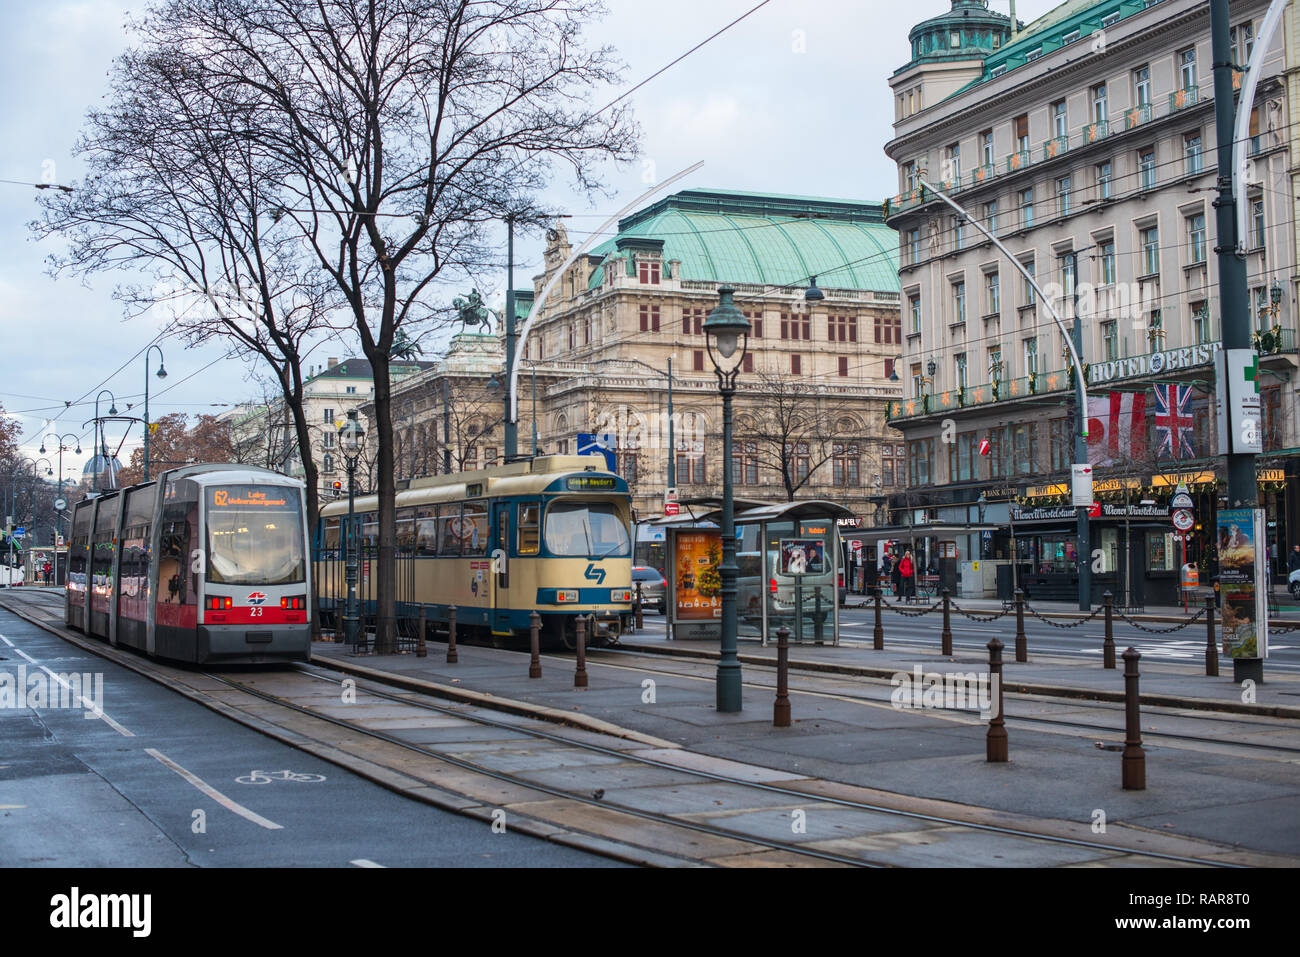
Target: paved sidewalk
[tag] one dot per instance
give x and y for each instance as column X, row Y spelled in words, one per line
column 846, row 730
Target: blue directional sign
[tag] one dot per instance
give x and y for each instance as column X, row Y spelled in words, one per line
column 604, row 443
column 20, row 532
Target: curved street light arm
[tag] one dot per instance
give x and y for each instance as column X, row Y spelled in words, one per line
column 1080, row 385
column 1241, row 133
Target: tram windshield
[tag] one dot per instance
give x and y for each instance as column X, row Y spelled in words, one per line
column 580, row 528
column 255, row 535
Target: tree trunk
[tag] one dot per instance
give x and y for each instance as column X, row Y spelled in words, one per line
column 386, row 590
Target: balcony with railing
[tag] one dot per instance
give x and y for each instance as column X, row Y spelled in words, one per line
column 1096, row 132
column 982, row 174
column 996, row 390
column 1056, row 146
column 1018, row 161
column 1182, row 99
column 1135, row 116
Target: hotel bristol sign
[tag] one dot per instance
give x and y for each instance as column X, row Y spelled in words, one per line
column 1154, row 364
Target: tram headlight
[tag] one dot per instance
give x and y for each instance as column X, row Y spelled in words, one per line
column 566, row 596
column 620, row 595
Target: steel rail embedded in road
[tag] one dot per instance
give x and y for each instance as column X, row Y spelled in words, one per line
column 736, row 781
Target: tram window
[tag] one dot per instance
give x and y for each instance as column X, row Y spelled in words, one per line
column 426, row 531
column 406, row 531
column 255, row 538
column 369, row 533
column 578, row 528
column 474, row 529
column 449, row 531
column 530, row 523
column 330, row 537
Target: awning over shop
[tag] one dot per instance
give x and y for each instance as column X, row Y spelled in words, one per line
column 891, row 533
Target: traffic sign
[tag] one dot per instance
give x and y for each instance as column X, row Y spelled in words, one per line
column 60, row 503
column 1183, row 519
column 671, row 508
column 1081, row 485
column 58, row 540
column 20, row 532
column 1094, row 510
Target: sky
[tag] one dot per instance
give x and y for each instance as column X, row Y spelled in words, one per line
column 794, row 99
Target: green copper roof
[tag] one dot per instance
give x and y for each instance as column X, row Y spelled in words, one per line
column 1049, row 32
column 765, row 239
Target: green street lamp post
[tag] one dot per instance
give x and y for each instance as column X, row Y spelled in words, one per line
column 162, row 374
column 727, row 332
column 352, row 440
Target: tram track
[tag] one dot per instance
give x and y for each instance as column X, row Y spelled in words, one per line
column 645, row 835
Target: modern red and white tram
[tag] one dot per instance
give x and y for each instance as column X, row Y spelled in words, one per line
column 208, row 563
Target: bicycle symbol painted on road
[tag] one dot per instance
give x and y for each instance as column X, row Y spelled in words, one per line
column 266, row 777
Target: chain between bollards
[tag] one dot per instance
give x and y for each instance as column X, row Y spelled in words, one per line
column 995, row 741
column 1135, row 759
column 452, row 656
column 1108, row 643
column 1022, row 647
column 534, row 645
column 1211, row 649
column 421, row 649
column 878, row 638
column 945, row 639
column 580, row 629
column 781, row 710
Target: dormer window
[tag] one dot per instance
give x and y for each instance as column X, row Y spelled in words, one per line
column 648, row 272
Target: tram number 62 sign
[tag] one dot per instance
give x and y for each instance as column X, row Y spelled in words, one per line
column 1183, row 520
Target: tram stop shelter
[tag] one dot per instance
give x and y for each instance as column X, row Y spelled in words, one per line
column 788, row 560
column 935, row 549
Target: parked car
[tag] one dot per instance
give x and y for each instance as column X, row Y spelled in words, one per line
column 1293, row 584
column 654, row 588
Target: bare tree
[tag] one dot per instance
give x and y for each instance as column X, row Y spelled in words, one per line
column 794, row 429
column 398, row 132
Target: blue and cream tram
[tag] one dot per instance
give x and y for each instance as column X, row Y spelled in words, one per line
column 551, row 534
column 206, row 564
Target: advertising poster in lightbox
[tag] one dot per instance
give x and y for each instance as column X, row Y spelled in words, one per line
column 698, row 589
column 803, row 556
column 1243, row 620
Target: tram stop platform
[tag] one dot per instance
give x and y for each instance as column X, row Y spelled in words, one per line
column 1208, row 753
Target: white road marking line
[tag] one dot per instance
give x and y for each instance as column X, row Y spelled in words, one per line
column 362, row 862
column 6, row 641
column 213, row 793
column 26, row 655
column 92, row 711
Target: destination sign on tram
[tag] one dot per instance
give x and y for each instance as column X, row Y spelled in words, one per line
column 591, row 483
column 252, row 497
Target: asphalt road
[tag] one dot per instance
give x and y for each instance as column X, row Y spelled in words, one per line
column 161, row 781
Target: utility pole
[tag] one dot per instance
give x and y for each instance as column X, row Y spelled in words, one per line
column 1083, row 550
column 1237, row 368
column 512, row 427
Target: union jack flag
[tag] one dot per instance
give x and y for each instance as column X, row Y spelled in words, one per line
column 1174, row 421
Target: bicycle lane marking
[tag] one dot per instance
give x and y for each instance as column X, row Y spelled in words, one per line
column 210, row 791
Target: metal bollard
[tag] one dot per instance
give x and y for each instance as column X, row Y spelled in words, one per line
column 1211, row 649
column 781, row 710
column 1108, row 645
column 1022, row 647
column 421, row 650
column 452, row 656
column 580, row 676
column 946, row 638
column 638, row 607
column 878, row 638
column 995, row 742
column 1135, row 759
column 534, row 644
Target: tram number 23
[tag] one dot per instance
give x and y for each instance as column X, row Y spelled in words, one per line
column 255, row 611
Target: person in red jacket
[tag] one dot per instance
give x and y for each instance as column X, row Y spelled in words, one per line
column 907, row 571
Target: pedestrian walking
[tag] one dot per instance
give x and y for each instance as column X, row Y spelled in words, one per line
column 907, row 572
column 895, row 577
column 1293, row 560
column 46, row 569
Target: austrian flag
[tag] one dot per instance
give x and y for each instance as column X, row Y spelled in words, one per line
column 1116, row 427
